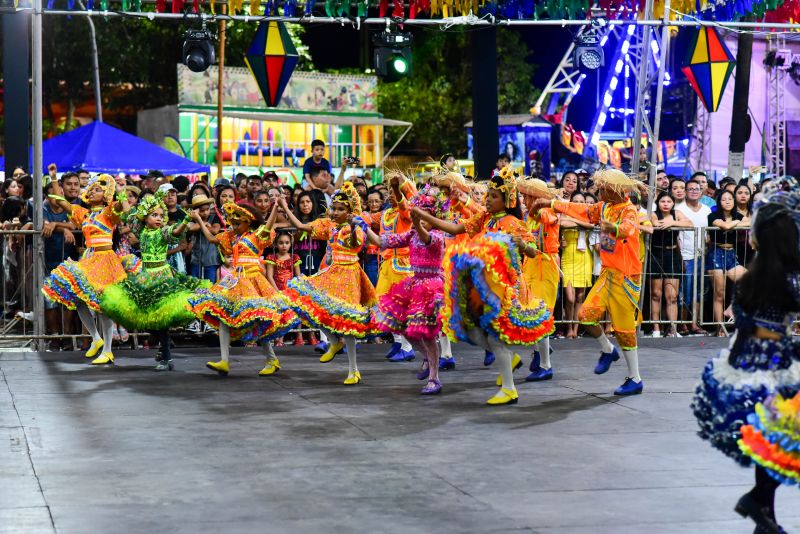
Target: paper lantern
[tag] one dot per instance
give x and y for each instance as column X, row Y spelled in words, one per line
column 708, row 66
column 272, row 58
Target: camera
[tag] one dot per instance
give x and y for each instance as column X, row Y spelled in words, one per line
column 352, row 160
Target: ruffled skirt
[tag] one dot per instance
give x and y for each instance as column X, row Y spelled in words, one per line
column 411, row 307
column 729, row 390
column 772, row 438
column 248, row 305
column 340, row 299
column 153, row 299
column 483, row 289
column 83, row 281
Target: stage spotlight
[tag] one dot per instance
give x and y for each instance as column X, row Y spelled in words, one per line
column 198, row 49
column 588, row 55
column 392, row 55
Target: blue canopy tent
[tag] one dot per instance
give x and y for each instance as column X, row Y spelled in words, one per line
column 98, row 147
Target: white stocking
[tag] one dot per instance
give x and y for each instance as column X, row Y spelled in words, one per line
column 404, row 344
column 605, row 344
column 503, row 354
column 224, row 341
column 632, row 359
column 107, row 325
column 323, row 337
column 350, row 343
column 444, row 344
column 269, row 352
column 87, row 320
column 544, row 351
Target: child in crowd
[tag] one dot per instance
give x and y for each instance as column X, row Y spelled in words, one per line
column 283, row 265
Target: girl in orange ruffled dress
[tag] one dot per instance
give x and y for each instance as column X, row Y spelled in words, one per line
column 79, row 284
column 486, row 298
column 338, row 300
column 244, row 305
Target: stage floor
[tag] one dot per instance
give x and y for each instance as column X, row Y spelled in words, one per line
column 127, row 450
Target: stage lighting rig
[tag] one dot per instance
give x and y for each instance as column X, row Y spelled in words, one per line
column 392, row 59
column 588, row 55
column 198, row 49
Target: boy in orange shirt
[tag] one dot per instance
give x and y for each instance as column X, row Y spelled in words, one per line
column 617, row 289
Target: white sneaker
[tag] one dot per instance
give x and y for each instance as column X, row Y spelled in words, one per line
column 194, row 327
column 656, row 333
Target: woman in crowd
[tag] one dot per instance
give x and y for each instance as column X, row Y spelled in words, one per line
column 721, row 260
column 743, row 196
column 763, row 360
column 576, row 265
column 677, row 190
column 666, row 265
column 569, row 185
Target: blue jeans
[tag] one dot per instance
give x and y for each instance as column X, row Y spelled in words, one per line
column 720, row 259
column 687, row 285
column 371, row 268
column 209, row 272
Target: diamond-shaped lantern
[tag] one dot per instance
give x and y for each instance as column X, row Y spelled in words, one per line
column 272, row 58
column 708, row 66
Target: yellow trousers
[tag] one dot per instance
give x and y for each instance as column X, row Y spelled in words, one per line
column 542, row 276
column 618, row 295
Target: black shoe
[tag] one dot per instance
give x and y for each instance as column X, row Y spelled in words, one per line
column 749, row 507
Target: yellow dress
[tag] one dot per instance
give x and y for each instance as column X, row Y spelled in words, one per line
column 576, row 264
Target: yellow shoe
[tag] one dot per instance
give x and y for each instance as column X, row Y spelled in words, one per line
column 94, row 348
column 333, row 350
column 516, row 363
column 104, row 358
column 270, row 368
column 504, row 396
column 352, row 379
column 220, row 367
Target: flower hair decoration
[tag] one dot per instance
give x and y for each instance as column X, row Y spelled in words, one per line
column 508, row 187
column 349, row 196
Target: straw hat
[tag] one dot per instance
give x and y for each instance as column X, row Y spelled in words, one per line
column 452, row 180
column 200, row 200
column 616, row 181
column 535, row 188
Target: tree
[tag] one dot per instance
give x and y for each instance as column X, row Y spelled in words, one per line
column 437, row 97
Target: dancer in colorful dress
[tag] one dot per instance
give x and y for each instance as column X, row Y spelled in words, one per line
column 338, row 300
column 486, row 301
column 763, row 360
column 79, row 284
column 155, row 298
column 411, row 306
column 395, row 265
column 617, row 289
column 541, row 272
column 244, row 305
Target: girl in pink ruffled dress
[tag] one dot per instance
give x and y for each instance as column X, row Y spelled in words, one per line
column 411, row 306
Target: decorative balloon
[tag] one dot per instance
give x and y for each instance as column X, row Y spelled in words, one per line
column 271, row 59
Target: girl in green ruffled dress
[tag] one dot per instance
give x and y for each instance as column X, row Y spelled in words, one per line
column 156, row 298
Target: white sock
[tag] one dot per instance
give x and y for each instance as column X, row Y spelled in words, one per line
column 108, row 331
column 322, row 336
column 632, row 359
column 224, row 341
column 87, row 320
column 350, row 343
column 605, row 344
column 269, row 352
column 444, row 345
column 544, row 351
column 503, row 355
column 404, row 344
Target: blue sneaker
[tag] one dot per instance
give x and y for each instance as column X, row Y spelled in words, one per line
column 403, row 356
column 540, row 375
column 447, row 364
column 630, row 388
column 393, row 350
column 488, row 359
column 536, row 362
column 605, row 361
column 321, row 347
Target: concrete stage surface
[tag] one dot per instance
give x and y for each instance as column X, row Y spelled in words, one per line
column 126, row 450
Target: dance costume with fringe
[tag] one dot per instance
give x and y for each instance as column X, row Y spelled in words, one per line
column 483, row 287
column 245, row 301
column 83, row 281
column 749, row 372
column 155, row 298
column 772, row 438
column 340, row 298
column 411, row 306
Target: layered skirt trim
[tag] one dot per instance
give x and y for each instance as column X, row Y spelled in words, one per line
column 83, row 281
column 412, row 308
column 728, row 394
column 311, row 298
column 152, row 299
column 251, row 308
column 481, row 290
column 772, row 438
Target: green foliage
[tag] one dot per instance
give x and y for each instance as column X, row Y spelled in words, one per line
column 437, row 97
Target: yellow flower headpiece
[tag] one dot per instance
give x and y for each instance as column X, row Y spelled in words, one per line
column 535, row 188
column 235, row 211
column 349, row 196
column 106, row 183
column 508, row 187
column 616, row 181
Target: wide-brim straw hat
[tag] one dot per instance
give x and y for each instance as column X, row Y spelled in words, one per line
column 618, row 182
column 452, row 180
column 535, row 188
